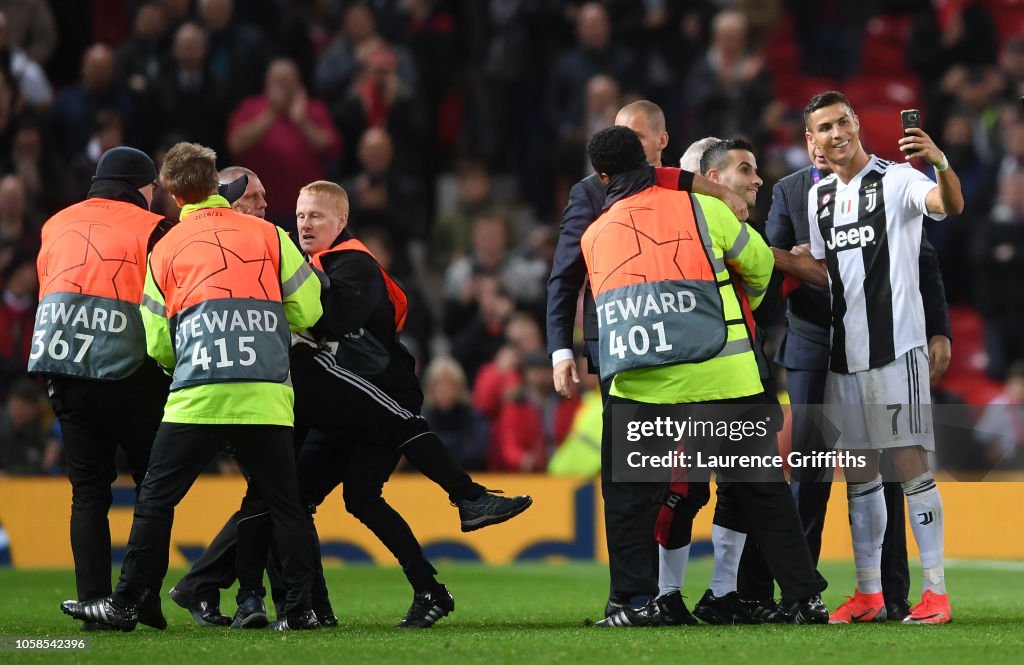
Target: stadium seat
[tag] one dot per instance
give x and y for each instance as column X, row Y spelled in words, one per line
column 865, row 91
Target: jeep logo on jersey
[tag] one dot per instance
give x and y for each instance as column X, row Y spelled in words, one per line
column 858, row 236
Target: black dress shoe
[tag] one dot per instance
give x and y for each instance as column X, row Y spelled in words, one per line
column 102, row 611
column 150, row 613
column 303, row 621
column 205, row 613
column 325, row 615
column 674, row 611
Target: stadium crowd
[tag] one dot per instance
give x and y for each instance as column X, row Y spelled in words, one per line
column 458, row 128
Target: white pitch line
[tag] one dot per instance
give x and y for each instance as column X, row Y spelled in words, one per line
column 986, row 564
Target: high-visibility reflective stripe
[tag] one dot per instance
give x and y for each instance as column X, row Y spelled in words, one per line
column 741, row 242
column 152, row 305
column 752, row 292
column 295, row 282
column 735, row 347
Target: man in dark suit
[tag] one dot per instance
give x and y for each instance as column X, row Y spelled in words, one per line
column 630, row 508
column 804, row 352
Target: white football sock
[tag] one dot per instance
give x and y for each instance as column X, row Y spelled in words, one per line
column 867, row 526
column 672, row 568
column 728, row 548
column 924, row 506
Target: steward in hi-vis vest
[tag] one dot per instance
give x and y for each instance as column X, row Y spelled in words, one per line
column 671, row 328
column 223, row 292
column 92, row 266
column 90, row 344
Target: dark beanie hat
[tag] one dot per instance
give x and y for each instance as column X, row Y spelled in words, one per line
column 127, row 164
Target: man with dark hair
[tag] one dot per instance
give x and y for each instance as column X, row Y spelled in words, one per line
column 229, row 381
column 705, row 357
column 804, row 353
column 865, row 228
column 105, row 392
column 629, row 508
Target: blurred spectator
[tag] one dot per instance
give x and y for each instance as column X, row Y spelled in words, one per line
column 138, row 59
column 999, row 268
column 25, row 447
column 476, row 341
column 489, row 246
column 580, row 454
column 1001, row 427
column 831, row 35
column 951, row 34
column 977, row 91
column 31, row 27
column 601, row 102
column 339, row 64
column 556, row 414
column 108, row 134
column 381, row 195
column 729, row 91
column 236, row 52
column 17, row 319
column 31, row 79
column 448, row 411
column 18, row 235
column 451, row 237
column 74, row 111
column 430, row 37
column 32, row 160
column 1011, row 62
column 186, row 99
column 594, row 54
column 11, row 108
column 380, row 97
column 284, row 136
column 977, row 182
column 518, row 440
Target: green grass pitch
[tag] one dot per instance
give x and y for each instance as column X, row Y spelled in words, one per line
column 530, row 614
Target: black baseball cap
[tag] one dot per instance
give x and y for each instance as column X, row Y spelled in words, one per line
column 128, row 165
column 233, row 190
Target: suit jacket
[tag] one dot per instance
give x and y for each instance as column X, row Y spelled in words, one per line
column 569, row 271
column 808, row 313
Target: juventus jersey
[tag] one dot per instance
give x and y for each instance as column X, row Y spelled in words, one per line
column 868, row 231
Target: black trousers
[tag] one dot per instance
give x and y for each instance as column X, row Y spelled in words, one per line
column 97, row 418
column 758, row 503
column 812, row 490
column 180, row 453
column 332, row 399
column 630, row 512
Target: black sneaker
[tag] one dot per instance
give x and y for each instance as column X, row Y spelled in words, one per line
column 897, row 610
column 490, row 509
column 720, row 610
column 758, row 610
column 251, row 613
column 205, row 613
column 150, row 613
column 305, row 621
column 674, row 611
column 807, row 611
column 325, row 615
column 613, row 606
column 91, row 626
column 428, row 607
column 103, row 611
column 632, row 617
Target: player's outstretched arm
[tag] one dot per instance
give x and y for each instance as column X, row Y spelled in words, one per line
column 947, row 198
